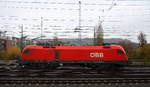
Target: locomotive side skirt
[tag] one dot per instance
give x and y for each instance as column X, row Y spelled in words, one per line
column 35, row 61
column 71, row 62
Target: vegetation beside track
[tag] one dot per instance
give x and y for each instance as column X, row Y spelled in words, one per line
column 11, row 53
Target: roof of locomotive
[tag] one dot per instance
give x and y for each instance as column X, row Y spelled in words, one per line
column 89, row 47
column 73, row 47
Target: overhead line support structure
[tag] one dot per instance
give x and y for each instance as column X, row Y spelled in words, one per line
column 79, row 30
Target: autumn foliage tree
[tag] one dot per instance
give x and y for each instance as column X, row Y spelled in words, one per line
column 143, row 53
column 13, row 52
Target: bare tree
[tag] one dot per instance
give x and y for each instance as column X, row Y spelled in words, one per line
column 98, row 35
column 142, row 39
column 55, row 39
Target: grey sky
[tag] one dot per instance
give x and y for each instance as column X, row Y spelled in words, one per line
column 125, row 20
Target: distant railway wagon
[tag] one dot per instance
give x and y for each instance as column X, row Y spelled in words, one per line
column 90, row 56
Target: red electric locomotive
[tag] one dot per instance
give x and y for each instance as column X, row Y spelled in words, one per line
column 90, row 56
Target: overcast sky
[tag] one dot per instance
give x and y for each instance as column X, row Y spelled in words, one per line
column 60, row 17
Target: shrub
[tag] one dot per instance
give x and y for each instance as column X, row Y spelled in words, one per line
column 13, row 52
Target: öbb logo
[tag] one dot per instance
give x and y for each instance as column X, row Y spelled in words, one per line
column 97, row 55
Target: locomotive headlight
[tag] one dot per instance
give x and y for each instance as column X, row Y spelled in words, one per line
column 120, row 51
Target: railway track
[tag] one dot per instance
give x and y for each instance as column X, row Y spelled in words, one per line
column 76, row 81
column 74, row 75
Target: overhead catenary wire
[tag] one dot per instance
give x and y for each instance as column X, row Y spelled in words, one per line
column 57, row 19
column 61, row 3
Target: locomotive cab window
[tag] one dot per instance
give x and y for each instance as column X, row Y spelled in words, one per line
column 120, row 51
column 26, row 51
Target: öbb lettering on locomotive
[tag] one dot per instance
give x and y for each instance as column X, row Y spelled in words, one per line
column 97, row 55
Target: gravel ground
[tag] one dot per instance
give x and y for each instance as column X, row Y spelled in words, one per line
column 8, row 61
column 77, row 85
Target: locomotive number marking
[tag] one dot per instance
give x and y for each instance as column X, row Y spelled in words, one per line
column 97, row 55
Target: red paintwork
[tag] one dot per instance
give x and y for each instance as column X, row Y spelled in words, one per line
column 83, row 53
column 74, row 53
column 38, row 53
